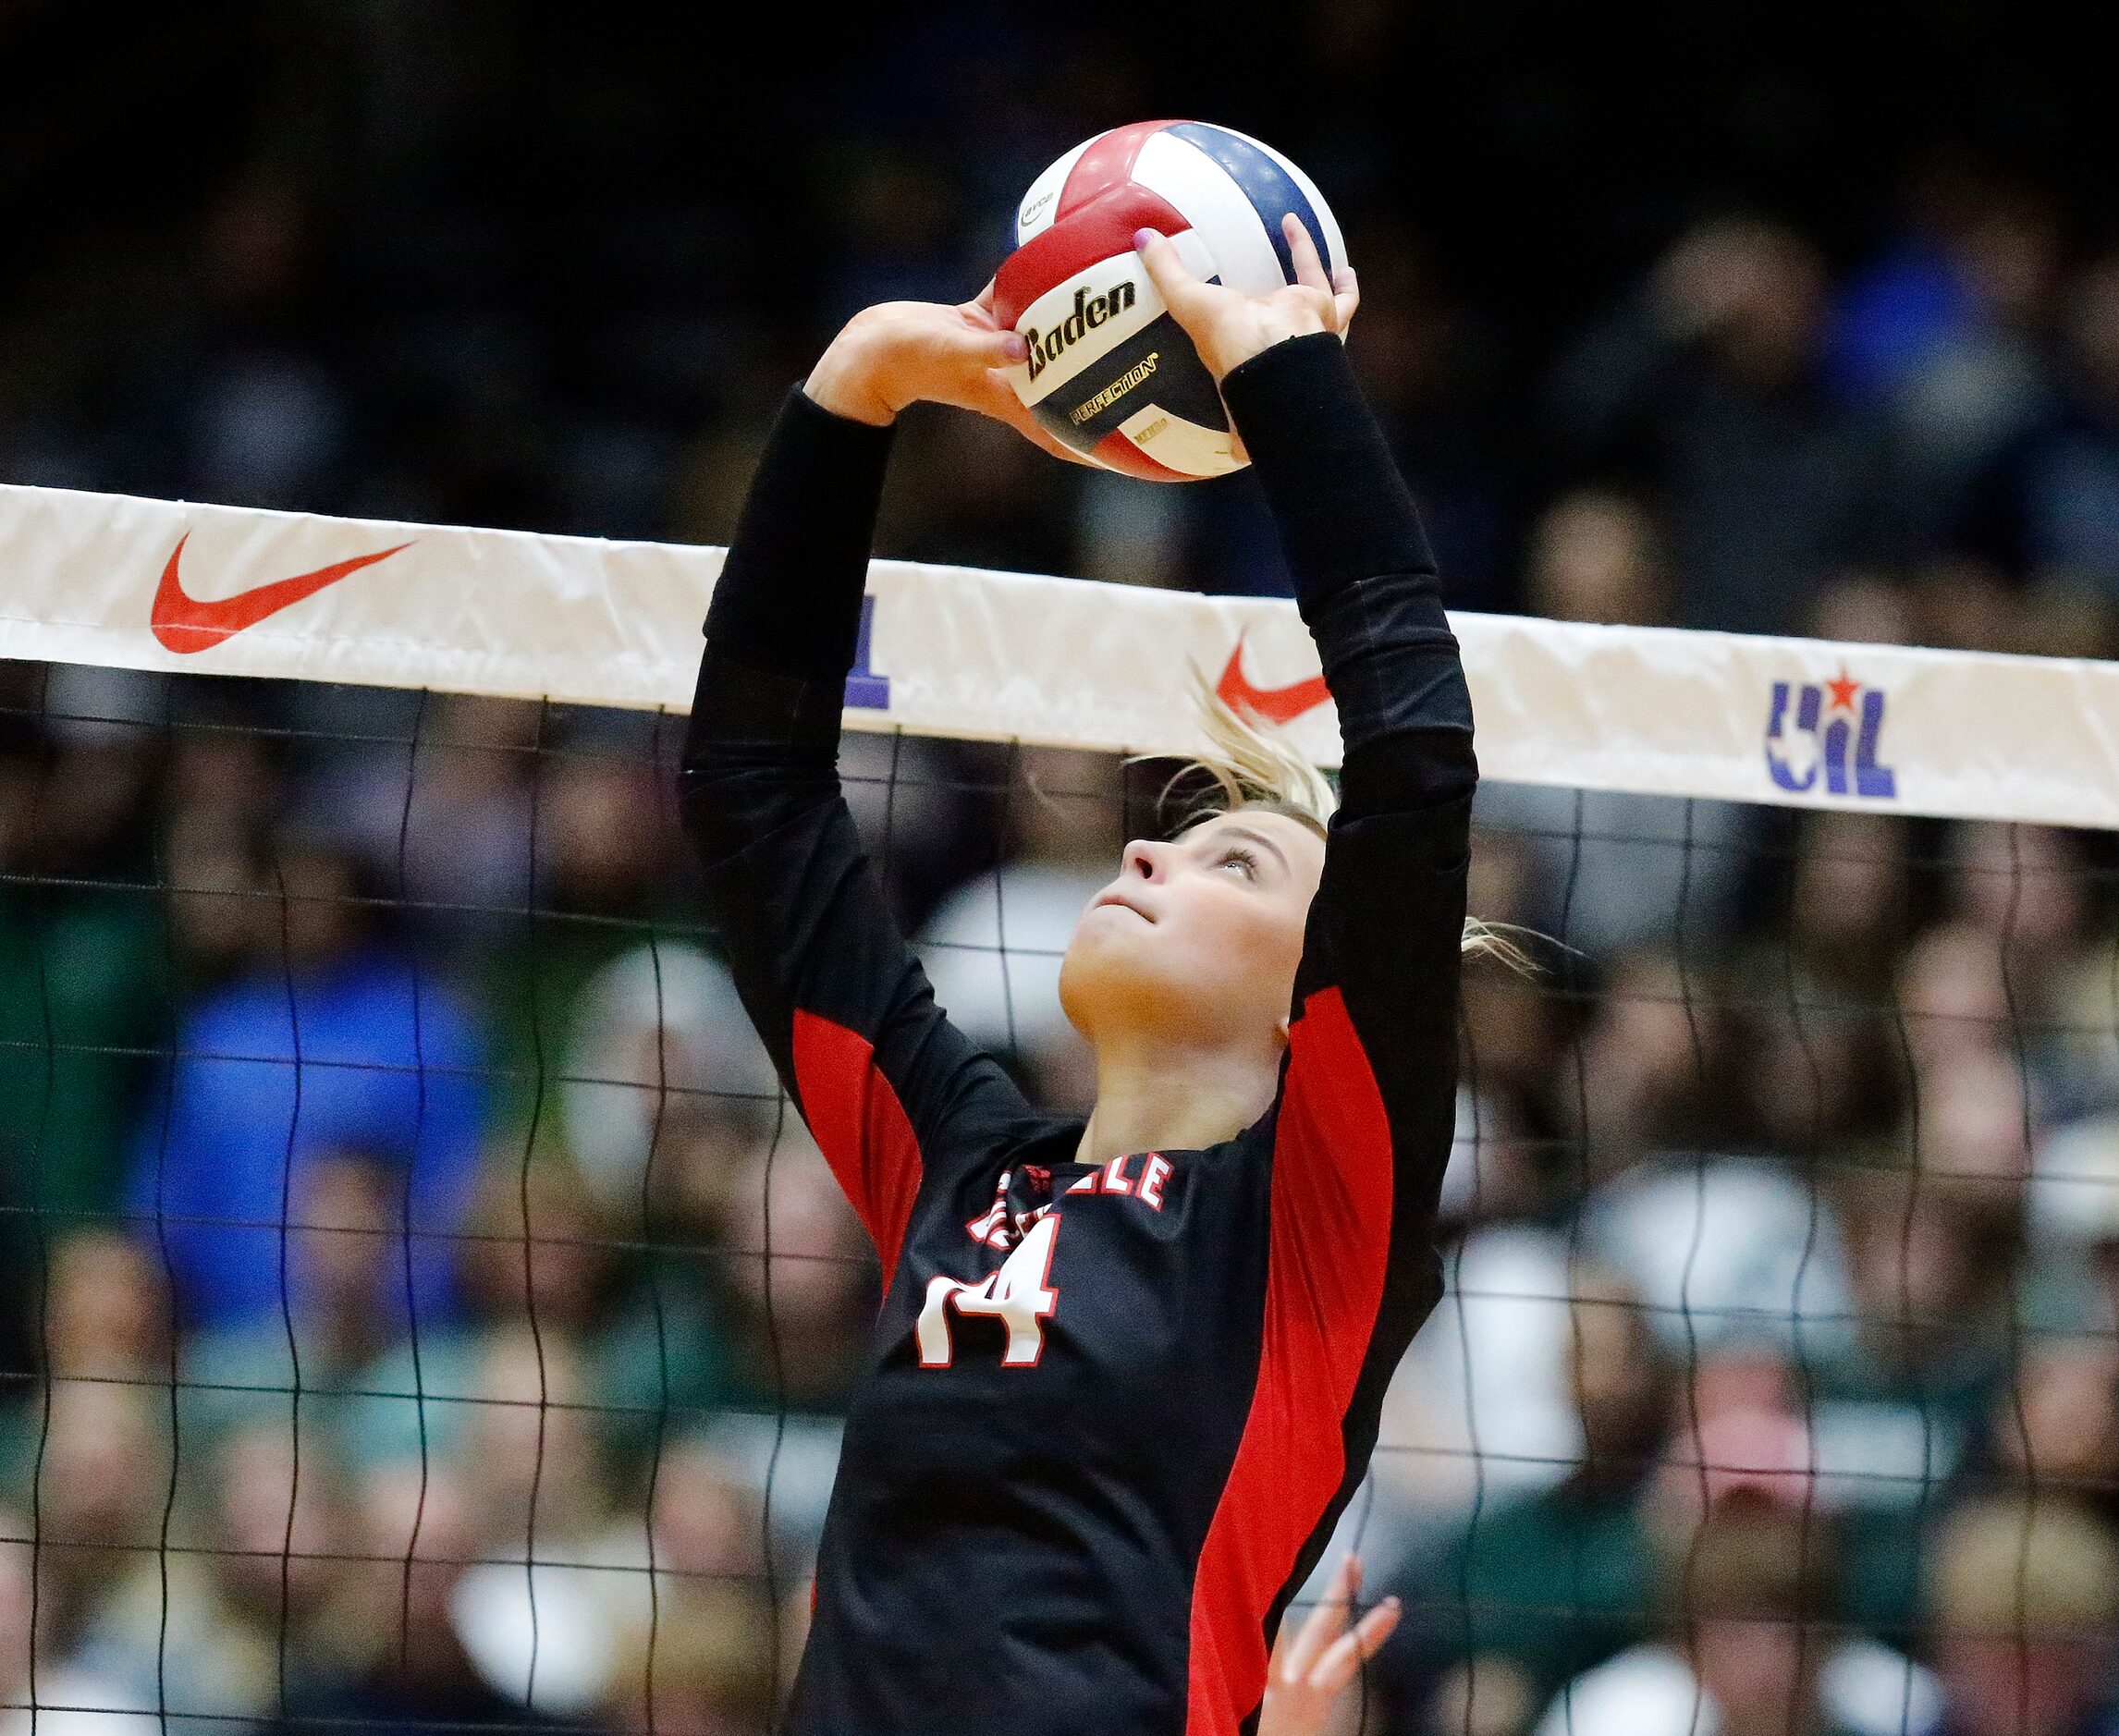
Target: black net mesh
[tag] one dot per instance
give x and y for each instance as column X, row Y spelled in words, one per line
column 419, row 1309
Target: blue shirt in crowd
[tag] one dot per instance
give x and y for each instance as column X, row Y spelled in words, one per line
column 368, row 1056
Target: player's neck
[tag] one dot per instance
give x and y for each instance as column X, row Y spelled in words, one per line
column 1154, row 1097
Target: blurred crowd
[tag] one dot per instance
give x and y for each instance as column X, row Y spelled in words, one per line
column 1780, row 1362
column 417, row 1306
column 420, row 1305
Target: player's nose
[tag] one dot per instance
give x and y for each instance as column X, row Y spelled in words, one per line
column 1144, row 859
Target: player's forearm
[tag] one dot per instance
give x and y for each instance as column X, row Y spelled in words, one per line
column 1343, row 511
column 1365, row 577
column 789, row 598
column 780, row 634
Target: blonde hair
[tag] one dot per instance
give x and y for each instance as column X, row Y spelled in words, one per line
column 1253, row 765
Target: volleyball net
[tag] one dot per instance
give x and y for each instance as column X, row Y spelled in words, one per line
column 417, row 1292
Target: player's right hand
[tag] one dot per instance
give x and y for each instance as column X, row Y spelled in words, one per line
column 1312, row 1669
column 898, row 353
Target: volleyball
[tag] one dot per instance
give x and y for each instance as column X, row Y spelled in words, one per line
column 1109, row 374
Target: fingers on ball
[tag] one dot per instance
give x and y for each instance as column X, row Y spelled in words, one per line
column 1303, row 251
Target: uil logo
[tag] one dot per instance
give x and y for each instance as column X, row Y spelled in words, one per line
column 1836, row 725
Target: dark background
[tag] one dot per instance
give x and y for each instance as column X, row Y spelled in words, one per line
column 550, row 266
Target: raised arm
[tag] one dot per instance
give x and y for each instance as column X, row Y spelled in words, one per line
column 1360, row 1128
column 1366, row 1109
column 1370, row 1089
column 841, row 1003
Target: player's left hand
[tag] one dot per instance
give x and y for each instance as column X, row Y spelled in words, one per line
column 1311, row 1668
column 1228, row 327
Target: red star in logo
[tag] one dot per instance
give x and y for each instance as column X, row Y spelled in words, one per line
column 1843, row 690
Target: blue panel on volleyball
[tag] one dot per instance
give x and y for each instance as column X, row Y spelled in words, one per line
column 1273, row 192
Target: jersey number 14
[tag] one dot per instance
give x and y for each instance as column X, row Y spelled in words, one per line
column 1018, row 1295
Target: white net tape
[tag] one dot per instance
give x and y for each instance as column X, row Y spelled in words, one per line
column 958, row 652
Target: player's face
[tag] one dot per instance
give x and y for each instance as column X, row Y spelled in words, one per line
column 1197, row 940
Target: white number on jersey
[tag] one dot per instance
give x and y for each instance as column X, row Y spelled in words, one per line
column 1017, row 1295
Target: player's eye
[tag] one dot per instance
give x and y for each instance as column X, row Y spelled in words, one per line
column 1241, row 860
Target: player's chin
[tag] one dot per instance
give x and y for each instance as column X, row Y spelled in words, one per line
column 1110, row 971
column 1096, row 948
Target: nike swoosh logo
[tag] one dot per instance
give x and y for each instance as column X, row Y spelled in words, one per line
column 1276, row 704
column 185, row 625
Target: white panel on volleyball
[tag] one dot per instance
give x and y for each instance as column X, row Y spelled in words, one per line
column 1035, row 215
column 1335, row 243
column 1183, row 446
column 1209, row 199
column 1052, row 309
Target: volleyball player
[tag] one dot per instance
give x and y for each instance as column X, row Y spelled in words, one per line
column 1127, row 1372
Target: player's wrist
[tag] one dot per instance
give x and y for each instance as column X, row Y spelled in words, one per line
column 1272, row 326
column 851, row 378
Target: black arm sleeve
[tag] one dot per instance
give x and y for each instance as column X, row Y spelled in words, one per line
column 789, row 598
column 875, row 1067
column 1376, row 996
column 1364, row 577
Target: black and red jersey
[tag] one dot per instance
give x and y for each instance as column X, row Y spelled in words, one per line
column 1110, row 1414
